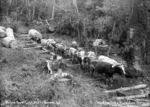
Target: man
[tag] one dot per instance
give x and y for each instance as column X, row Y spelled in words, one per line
column 128, row 53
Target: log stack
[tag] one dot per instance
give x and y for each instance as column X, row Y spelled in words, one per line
column 10, row 41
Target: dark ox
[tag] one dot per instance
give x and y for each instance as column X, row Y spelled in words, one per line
column 100, row 67
column 108, row 69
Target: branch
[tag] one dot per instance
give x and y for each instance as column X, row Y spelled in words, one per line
column 123, row 104
column 127, row 88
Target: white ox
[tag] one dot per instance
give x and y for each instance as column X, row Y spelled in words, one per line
column 72, row 52
column 34, row 34
column 91, row 55
column 97, row 43
column 81, row 54
column 50, row 43
column 112, row 62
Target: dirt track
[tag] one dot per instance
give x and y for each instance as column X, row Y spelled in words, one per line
column 22, row 71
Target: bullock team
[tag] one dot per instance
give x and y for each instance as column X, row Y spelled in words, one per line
column 88, row 61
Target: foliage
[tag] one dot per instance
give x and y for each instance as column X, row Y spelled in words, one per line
column 97, row 14
column 94, row 19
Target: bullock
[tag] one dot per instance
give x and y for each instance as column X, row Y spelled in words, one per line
column 74, row 44
column 72, row 53
column 103, row 65
column 10, row 41
column 91, row 54
column 112, row 62
column 99, row 43
column 100, row 67
column 86, row 62
column 81, row 54
column 107, row 59
column 76, row 55
column 57, row 58
column 51, row 44
column 43, row 42
column 35, row 35
column 88, row 65
column 51, row 41
column 57, row 62
column 60, row 49
column 80, row 57
column 108, row 69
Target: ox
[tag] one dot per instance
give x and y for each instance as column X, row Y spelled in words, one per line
column 74, row 44
column 112, row 62
column 35, row 35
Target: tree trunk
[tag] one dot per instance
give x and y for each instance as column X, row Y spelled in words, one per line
column 148, row 28
column 75, row 4
column 147, row 24
column 110, row 44
column 53, row 10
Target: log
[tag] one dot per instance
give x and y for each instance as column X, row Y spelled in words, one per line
column 123, row 104
column 10, row 33
column 127, row 88
column 6, row 41
column 9, row 41
column 2, row 32
column 132, row 97
column 145, row 104
column 3, row 28
column 44, row 52
column 14, row 44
